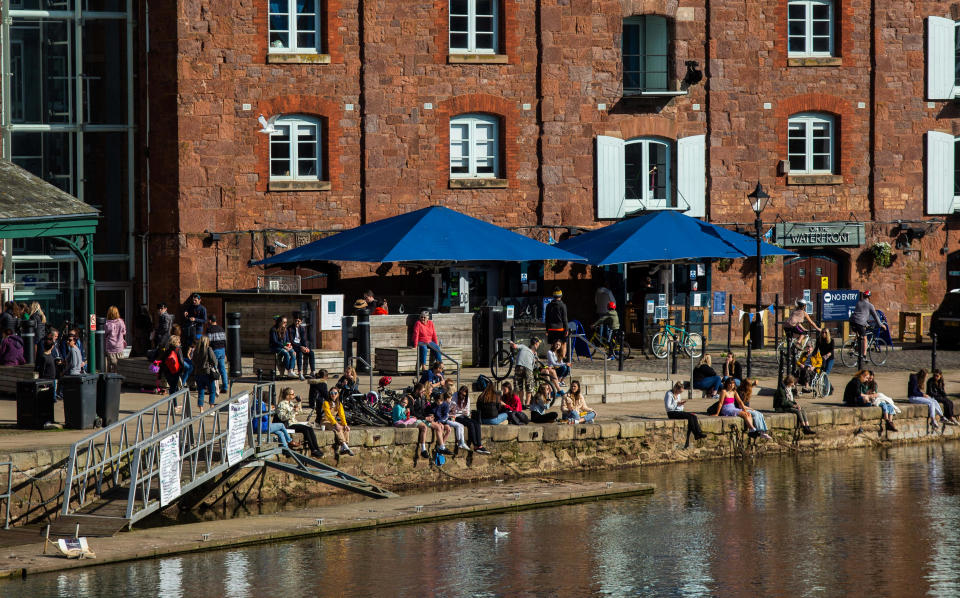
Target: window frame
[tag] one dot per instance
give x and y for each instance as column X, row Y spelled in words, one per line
column 808, row 35
column 808, row 119
column 646, row 199
column 292, row 31
column 293, row 158
column 473, row 120
column 471, row 31
column 644, row 57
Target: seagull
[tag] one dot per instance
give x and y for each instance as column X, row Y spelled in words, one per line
column 498, row 534
column 267, row 126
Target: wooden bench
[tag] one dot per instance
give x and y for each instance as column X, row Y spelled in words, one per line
column 136, row 372
column 916, row 316
column 403, row 360
column 11, row 374
column 324, row 359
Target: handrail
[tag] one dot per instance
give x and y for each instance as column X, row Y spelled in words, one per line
column 111, row 447
column 606, row 356
column 457, row 363
column 8, row 495
column 365, row 363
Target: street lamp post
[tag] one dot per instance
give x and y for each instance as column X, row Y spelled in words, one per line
column 758, row 201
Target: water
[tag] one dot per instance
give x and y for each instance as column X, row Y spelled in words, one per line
column 849, row 523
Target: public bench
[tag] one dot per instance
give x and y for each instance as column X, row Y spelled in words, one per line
column 325, row 359
column 403, row 360
column 11, row 374
column 136, row 372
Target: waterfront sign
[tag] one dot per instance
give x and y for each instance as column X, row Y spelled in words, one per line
column 837, row 305
column 237, row 429
column 169, row 469
column 820, row 234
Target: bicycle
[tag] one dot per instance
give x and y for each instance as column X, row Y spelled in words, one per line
column 782, row 346
column 505, row 360
column 690, row 342
column 611, row 346
column 877, row 349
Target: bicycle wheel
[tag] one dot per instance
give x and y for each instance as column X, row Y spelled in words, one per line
column 819, row 385
column 693, row 345
column 660, row 345
column 848, row 353
column 615, row 350
column 501, row 365
column 877, row 351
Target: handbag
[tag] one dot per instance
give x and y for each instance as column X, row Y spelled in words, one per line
column 172, row 362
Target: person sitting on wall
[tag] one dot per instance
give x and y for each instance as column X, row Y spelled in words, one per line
column 513, row 405
column 425, row 339
column 280, row 346
column 287, row 411
column 334, row 416
column 491, row 407
column 541, row 401
column 938, row 392
column 432, row 379
column 574, row 408
column 556, row 363
column 674, row 403
column 915, row 394
column 348, row 383
column 705, row 378
column 877, row 398
column 730, row 405
column 785, row 401
column 460, row 411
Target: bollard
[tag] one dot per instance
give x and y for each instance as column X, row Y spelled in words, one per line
column 99, row 345
column 346, row 336
column 363, row 339
column 859, row 352
column 29, row 335
column 729, row 321
column 933, row 352
column 780, row 356
column 620, row 358
column 750, row 352
column 233, row 345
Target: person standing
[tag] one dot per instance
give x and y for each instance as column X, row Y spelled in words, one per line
column 557, row 322
column 218, row 343
column 601, row 299
column 825, row 346
column 298, row 339
column 8, row 319
column 161, row 334
column 115, row 332
column 526, row 365
column 75, row 360
column 674, row 403
column 425, row 340
column 39, row 320
column 196, row 317
column 205, row 366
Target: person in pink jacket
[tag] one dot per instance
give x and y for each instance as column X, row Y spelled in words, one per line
column 424, row 338
column 115, row 332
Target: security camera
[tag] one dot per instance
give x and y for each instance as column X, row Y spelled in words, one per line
column 281, row 245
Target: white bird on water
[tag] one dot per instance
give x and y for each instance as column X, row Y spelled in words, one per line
column 498, row 534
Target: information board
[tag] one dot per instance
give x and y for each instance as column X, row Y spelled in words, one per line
column 837, row 305
column 719, row 303
column 237, row 429
column 169, row 469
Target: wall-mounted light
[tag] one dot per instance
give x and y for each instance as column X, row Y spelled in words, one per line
column 694, row 75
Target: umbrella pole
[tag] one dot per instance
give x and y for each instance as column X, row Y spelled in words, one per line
column 436, row 289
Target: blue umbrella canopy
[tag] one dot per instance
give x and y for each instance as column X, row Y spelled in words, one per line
column 663, row 236
column 434, row 234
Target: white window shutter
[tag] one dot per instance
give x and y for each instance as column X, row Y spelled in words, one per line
column 610, row 177
column 940, row 147
column 940, row 58
column 691, row 175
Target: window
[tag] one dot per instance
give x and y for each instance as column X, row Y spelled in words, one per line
column 645, row 48
column 810, row 28
column 473, row 26
column 294, row 26
column 943, row 58
column 943, row 173
column 639, row 174
column 810, row 143
column 474, row 146
column 295, row 149
column 647, row 171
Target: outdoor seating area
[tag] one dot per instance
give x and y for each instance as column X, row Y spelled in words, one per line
column 329, row 360
column 403, row 360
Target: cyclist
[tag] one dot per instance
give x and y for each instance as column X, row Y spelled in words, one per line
column 860, row 318
column 608, row 322
column 792, row 326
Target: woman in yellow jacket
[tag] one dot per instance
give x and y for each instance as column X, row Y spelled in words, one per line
column 333, row 415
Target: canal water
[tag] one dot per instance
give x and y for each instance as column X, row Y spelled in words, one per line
column 852, row 523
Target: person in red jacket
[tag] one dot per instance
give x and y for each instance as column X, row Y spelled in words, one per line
column 424, row 338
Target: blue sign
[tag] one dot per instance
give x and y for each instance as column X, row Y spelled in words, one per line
column 719, row 303
column 837, row 305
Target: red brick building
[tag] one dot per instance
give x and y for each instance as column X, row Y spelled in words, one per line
column 549, row 115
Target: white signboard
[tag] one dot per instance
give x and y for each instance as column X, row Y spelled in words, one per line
column 237, row 429
column 331, row 312
column 169, row 469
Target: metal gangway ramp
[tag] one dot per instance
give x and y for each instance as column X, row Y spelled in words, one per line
column 155, row 457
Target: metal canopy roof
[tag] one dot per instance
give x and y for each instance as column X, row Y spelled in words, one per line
column 31, row 207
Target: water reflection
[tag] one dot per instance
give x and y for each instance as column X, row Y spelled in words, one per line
column 836, row 524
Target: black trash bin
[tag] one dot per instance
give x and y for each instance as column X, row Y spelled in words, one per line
column 79, row 401
column 108, row 397
column 35, row 400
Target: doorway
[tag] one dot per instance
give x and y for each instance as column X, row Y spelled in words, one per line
column 806, row 274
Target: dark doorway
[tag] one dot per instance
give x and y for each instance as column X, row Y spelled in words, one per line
column 953, row 271
column 805, row 273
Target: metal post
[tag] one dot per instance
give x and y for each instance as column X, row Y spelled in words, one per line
column 749, row 349
column 346, row 336
column 729, row 319
column 776, row 320
column 233, row 344
column 363, row 340
column 99, row 345
column 28, row 333
column 620, row 358
column 604, row 398
column 673, row 350
column 933, row 352
column 859, row 352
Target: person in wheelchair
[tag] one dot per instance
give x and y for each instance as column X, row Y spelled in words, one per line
column 808, row 364
column 608, row 323
column 792, row 326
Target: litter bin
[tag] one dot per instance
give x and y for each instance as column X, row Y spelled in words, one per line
column 108, row 397
column 79, row 401
column 35, row 400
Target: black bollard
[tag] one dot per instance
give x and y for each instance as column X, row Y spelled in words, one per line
column 750, row 352
column 363, row 339
column 29, row 336
column 620, row 358
column 347, row 331
column 859, row 352
column 99, row 345
column 233, row 345
column 933, row 352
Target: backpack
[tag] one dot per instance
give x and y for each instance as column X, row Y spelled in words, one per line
column 481, row 383
column 438, row 459
column 172, row 362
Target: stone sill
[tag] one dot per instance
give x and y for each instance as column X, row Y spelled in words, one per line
column 293, row 58
column 298, row 186
column 815, row 61
column 477, row 59
column 662, row 93
column 814, row 179
column 478, row 183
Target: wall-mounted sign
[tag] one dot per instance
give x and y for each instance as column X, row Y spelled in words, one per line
column 820, row 234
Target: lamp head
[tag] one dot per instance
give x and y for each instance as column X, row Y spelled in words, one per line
column 758, row 199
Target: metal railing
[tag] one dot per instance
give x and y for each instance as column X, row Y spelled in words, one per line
column 357, row 358
column 104, row 457
column 455, row 362
column 7, row 497
column 606, row 356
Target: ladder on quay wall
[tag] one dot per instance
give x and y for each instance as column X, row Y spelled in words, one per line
column 114, row 475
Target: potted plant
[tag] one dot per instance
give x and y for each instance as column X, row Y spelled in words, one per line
column 723, row 264
column 882, row 254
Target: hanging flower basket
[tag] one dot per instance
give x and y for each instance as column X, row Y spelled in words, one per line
column 882, row 254
column 723, row 264
column 770, row 260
